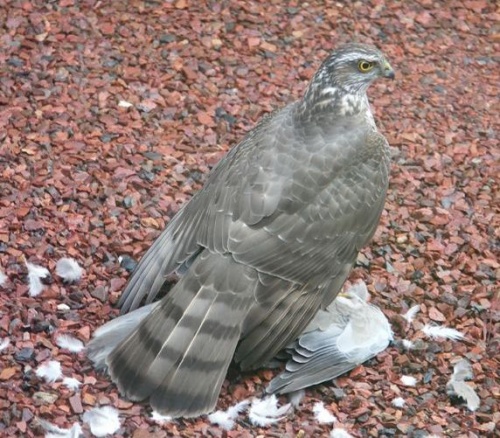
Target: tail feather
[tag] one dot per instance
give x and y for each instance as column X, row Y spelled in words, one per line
column 130, row 362
column 205, row 361
column 107, row 337
column 179, row 354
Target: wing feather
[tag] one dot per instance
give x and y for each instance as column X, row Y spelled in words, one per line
column 269, row 215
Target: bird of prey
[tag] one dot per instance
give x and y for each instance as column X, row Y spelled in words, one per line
column 349, row 332
column 266, row 243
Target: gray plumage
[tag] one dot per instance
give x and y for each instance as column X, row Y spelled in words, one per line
column 268, row 241
column 349, row 332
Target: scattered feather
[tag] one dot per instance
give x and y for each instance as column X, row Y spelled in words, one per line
column 71, row 383
column 102, row 421
column 3, row 278
column 409, row 345
column 462, row 371
column 264, row 412
column 439, row 331
column 35, row 275
column 159, row 418
column 238, row 408
column 408, row 380
column 456, row 386
column 54, row 431
column 69, row 269
column 124, row 104
column 49, row 371
column 340, row 433
column 322, row 415
column 412, row 312
column 296, row 397
column 74, row 432
column 225, row 419
column 398, row 402
column 70, row 343
column 221, row 418
column 63, row 307
column 4, row 343
column 464, row 391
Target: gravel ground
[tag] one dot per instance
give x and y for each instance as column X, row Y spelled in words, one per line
column 111, row 115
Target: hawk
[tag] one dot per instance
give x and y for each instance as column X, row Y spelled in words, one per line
column 267, row 242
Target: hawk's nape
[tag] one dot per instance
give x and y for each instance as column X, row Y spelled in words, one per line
column 268, row 241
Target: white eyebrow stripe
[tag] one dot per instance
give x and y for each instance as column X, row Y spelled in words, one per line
column 358, row 55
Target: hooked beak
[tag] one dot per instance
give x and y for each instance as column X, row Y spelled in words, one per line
column 388, row 71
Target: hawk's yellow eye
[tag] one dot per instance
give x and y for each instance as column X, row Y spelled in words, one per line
column 365, row 66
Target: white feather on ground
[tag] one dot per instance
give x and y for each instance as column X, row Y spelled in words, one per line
column 63, row 307
column 159, row 418
column 3, row 278
column 465, row 392
column 408, row 380
column 4, row 343
column 225, row 419
column 409, row 345
column 439, row 331
column 124, row 104
column 338, row 432
column 50, row 371
column 69, row 269
column 35, row 274
column 458, row 387
column 412, row 312
column 70, row 343
column 222, row 419
column 54, row 431
column 296, row 397
column 71, row 383
column 102, row 421
column 264, row 412
column 322, row 415
column 462, row 370
column 398, row 402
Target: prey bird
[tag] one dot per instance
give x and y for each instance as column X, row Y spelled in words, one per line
column 347, row 333
column 267, row 242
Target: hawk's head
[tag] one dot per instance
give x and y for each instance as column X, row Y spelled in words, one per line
column 353, row 68
column 341, row 82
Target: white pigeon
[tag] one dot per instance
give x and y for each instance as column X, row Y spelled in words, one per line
column 349, row 332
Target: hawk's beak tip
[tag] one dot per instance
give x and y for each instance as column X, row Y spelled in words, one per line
column 389, row 74
column 388, row 71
